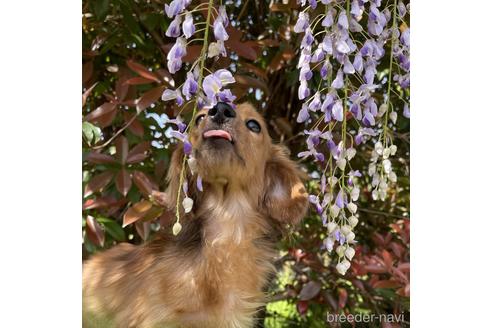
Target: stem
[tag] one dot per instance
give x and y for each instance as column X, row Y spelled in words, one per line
column 385, row 127
column 195, row 107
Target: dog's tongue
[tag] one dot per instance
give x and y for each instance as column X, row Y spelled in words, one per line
column 218, row 133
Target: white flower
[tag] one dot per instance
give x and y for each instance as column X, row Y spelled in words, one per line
column 331, row 226
column 350, row 237
column 386, row 153
column 345, row 229
column 372, row 169
column 351, row 153
column 378, row 147
column 176, row 228
column 382, row 109
column 353, row 221
column 393, row 150
column 343, row 266
column 354, row 194
column 332, row 181
column 340, row 250
column 329, row 242
column 392, row 177
column 352, row 207
column 187, row 204
column 334, row 210
column 387, row 165
column 393, row 117
column 375, row 194
column 341, row 163
column 349, row 253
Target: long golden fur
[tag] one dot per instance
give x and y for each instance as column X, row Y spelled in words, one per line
column 211, row 275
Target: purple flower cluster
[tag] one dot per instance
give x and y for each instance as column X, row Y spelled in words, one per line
column 203, row 91
column 347, row 56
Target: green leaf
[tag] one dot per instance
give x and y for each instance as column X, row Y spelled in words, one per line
column 101, row 8
column 88, row 132
column 113, row 228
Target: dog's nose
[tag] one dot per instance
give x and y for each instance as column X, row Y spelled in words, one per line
column 221, row 112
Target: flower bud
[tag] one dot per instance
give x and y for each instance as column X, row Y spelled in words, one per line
column 354, row 194
column 350, row 237
column 345, row 229
column 386, row 153
column 393, row 149
column 353, row 221
column 176, row 228
column 331, row 226
column 378, row 147
column 382, row 109
column 329, row 242
column 349, row 253
column 334, row 210
column 393, row 117
column 187, row 204
column 341, row 163
column 392, row 177
column 341, row 268
column 340, row 250
column 375, row 194
column 387, row 165
column 352, row 207
column 351, row 153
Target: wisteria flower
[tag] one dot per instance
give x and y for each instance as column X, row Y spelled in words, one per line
column 188, row 26
column 175, row 55
column 174, row 29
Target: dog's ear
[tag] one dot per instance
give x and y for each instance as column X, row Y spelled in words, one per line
column 285, row 198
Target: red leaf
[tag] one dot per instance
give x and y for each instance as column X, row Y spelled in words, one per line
column 143, row 229
column 252, row 82
column 138, row 153
column 388, row 259
column 243, row 49
column 103, row 115
column 138, row 80
column 135, row 127
column 375, row 268
column 102, row 202
column 404, row 266
column 87, row 70
column 309, row 290
column 86, row 94
column 142, row 71
column 143, row 183
column 97, row 183
column 386, row 284
column 342, row 297
column 160, row 169
column 98, row 158
column 94, row 231
column 121, row 89
column 192, row 53
column 137, row 212
column 149, row 98
column 121, row 144
column 123, row 182
column 302, row 307
column 104, row 109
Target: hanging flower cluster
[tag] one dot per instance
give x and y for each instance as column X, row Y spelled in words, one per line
column 350, row 90
column 200, row 89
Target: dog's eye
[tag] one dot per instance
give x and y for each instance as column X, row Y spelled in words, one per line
column 253, row 126
column 199, row 118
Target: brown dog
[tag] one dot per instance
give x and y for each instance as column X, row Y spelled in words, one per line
column 212, row 273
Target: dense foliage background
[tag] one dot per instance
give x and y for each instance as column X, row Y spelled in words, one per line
column 126, row 154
